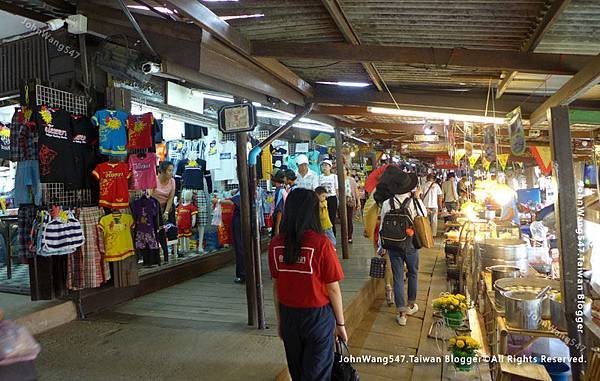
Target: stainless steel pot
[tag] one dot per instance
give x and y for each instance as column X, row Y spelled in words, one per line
column 532, row 284
column 501, row 272
column 504, row 252
column 523, row 309
column 557, row 313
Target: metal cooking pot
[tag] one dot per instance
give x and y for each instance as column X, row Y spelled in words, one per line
column 532, row 284
column 505, row 252
column 523, row 309
column 501, row 272
column 557, row 313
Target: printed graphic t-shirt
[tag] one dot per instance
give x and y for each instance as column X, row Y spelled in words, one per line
column 116, row 230
column 139, row 131
column 56, row 147
column 303, row 284
column 228, row 163
column 114, row 192
column 112, row 127
column 143, row 171
column 4, row 141
column 85, row 138
column 213, row 155
column 184, row 219
column 330, row 183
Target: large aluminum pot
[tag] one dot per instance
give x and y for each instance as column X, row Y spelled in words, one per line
column 523, row 309
column 532, row 284
column 504, row 252
column 501, row 272
column 557, row 313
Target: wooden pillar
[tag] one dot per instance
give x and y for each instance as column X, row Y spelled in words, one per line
column 243, row 177
column 566, row 225
column 342, row 187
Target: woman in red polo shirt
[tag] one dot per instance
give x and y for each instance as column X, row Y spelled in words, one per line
column 308, row 299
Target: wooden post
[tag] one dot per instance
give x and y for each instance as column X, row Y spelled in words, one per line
column 566, row 225
column 243, row 177
column 256, row 249
column 342, row 187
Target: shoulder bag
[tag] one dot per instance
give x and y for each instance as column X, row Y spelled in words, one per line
column 423, row 227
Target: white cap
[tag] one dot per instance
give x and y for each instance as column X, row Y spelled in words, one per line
column 301, row 159
column 327, row 161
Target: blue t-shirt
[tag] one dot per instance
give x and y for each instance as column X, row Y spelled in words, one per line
column 112, row 125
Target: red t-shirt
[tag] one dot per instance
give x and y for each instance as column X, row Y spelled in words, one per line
column 303, row 284
column 139, row 131
column 114, row 189
column 184, row 219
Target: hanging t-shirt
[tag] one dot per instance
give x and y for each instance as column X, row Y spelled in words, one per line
column 194, row 174
column 330, row 183
column 112, row 128
column 114, row 190
column 161, row 152
column 143, row 170
column 228, row 158
column 4, row 141
column 213, row 155
column 184, row 219
column 267, row 163
column 139, row 131
column 116, row 230
column 85, row 139
column 56, row 153
column 145, row 212
column 313, row 161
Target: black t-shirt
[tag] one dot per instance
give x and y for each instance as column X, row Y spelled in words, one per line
column 4, row 141
column 194, row 175
column 85, row 141
column 57, row 164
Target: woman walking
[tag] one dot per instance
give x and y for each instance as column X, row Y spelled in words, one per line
column 396, row 184
column 307, row 295
column 352, row 202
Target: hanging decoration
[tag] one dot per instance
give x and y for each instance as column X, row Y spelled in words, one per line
column 459, row 154
column 468, row 132
column 543, row 157
column 473, row 159
column 489, row 143
column 449, row 130
column 516, row 132
column 486, row 163
column 503, row 160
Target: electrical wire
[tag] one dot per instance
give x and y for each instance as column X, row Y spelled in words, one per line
column 314, row 67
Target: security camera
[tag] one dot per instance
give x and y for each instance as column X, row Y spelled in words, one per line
column 150, row 67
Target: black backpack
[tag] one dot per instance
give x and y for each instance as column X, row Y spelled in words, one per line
column 394, row 225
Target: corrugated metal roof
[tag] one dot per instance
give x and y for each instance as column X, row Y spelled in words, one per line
column 577, row 30
column 313, row 71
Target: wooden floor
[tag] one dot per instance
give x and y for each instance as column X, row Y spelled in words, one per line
column 380, row 335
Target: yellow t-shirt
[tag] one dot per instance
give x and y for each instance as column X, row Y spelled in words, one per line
column 118, row 242
column 324, row 214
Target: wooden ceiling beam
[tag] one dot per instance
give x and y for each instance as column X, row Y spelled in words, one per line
column 542, row 63
column 21, row 11
column 207, row 20
column 341, row 20
column 550, row 16
column 581, row 82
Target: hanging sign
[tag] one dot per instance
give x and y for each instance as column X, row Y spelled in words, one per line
column 503, row 160
column 486, row 163
column 444, row 162
column 489, row 143
column 468, row 131
column 237, row 118
column 473, row 159
column 516, row 132
column 543, row 158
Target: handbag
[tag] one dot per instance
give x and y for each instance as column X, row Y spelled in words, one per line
column 377, row 269
column 342, row 371
column 423, row 227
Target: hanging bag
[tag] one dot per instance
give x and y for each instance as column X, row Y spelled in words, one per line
column 423, row 226
column 342, row 371
column 377, row 269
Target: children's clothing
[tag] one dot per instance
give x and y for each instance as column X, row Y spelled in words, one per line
column 139, row 131
column 184, row 219
column 143, row 168
column 116, row 230
column 112, row 126
column 114, row 190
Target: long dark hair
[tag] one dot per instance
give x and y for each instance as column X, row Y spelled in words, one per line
column 163, row 166
column 300, row 215
column 390, row 184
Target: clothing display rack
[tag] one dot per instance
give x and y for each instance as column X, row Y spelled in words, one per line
column 55, row 194
column 75, row 104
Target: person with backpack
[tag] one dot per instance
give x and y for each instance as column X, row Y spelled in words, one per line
column 397, row 235
column 433, row 199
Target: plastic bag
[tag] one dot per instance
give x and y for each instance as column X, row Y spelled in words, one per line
column 217, row 215
column 16, row 344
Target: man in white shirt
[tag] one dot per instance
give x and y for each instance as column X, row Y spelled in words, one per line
column 450, row 193
column 432, row 198
column 307, row 178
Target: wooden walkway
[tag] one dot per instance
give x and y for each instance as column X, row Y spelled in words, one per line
column 380, row 335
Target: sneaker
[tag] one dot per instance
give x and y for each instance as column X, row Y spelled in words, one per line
column 389, row 296
column 413, row 310
column 239, row 280
column 401, row 320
